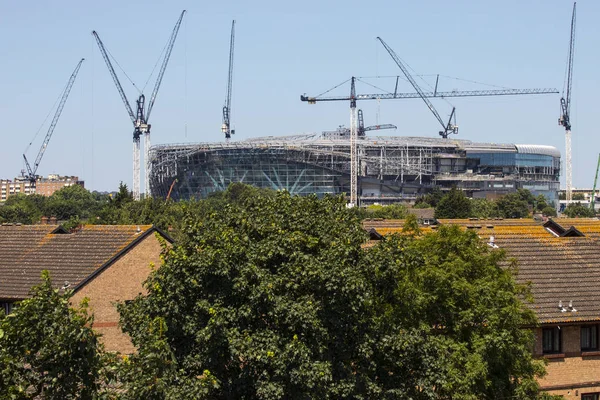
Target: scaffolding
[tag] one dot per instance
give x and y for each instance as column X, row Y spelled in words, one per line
column 388, row 167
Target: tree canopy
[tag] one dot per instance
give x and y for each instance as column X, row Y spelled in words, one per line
column 47, row 349
column 453, row 204
column 575, row 210
column 274, row 297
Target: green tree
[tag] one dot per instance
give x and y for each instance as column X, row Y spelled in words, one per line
column 578, row 196
column 123, row 196
column 483, row 208
column 454, row 204
column 391, row 211
column 526, row 196
column 549, row 211
column 541, row 203
column 71, row 201
column 514, row 205
column 449, row 320
column 274, row 297
column 22, row 209
column 47, row 349
column 576, row 210
column 430, row 199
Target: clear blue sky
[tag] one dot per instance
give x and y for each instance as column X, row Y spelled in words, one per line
column 284, row 49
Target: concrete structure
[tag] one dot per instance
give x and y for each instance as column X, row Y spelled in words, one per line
column 106, row 264
column 44, row 186
column 391, row 168
column 561, row 260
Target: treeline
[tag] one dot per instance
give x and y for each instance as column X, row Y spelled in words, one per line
column 74, row 205
column 269, row 296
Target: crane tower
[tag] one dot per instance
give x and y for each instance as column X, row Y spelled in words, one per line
column 140, row 119
column 565, row 117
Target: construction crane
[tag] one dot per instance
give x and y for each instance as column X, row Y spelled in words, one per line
column 142, row 116
column 565, row 117
column 447, row 128
column 353, row 97
column 31, row 172
column 434, row 94
column 226, row 127
column 362, row 129
column 593, row 201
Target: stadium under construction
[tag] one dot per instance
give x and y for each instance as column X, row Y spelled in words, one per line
column 391, row 168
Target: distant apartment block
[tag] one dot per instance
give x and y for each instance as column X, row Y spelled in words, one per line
column 45, row 186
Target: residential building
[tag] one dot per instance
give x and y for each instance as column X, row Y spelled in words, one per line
column 45, row 186
column 106, row 264
column 10, row 188
column 561, row 260
column 50, row 184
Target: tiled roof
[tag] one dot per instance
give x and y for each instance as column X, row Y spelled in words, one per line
column 423, row 213
column 560, row 269
column 26, row 250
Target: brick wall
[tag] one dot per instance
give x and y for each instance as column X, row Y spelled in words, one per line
column 120, row 281
column 571, row 373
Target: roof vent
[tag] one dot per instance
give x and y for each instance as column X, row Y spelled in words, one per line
column 492, row 242
column 571, row 308
column 138, row 230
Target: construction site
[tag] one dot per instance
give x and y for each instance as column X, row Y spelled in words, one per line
column 366, row 168
column 391, row 168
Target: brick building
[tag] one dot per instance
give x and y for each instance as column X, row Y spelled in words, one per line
column 44, row 186
column 561, row 261
column 50, row 184
column 106, row 264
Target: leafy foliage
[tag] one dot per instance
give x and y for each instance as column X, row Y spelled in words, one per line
column 483, row 208
column 514, row 205
column 454, row 204
column 47, row 349
column 549, row 211
column 391, row 211
column 576, row 210
column 448, row 323
column 273, row 297
column 431, row 199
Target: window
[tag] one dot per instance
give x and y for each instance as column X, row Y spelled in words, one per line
column 6, row 307
column 589, row 338
column 590, row 396
column 551, row 340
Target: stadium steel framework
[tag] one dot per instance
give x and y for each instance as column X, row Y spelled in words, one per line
column 390, row 168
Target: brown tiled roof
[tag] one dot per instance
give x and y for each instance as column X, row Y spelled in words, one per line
column 423, row 213
column 69, row 257
column 558, row 268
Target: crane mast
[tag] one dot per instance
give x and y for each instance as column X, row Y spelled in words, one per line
column 226, row 126
column 353, row 148
column 565, row 117
column 31, row 172
column 140, row 119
